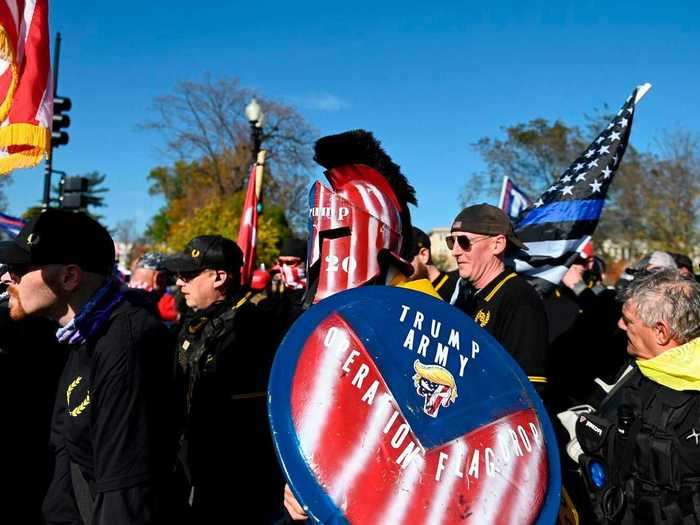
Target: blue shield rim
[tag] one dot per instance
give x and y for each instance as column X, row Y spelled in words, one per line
column 286, row 440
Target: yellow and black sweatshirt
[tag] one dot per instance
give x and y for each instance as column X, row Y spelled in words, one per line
column 513, row 313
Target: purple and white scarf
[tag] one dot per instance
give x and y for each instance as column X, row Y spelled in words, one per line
column 92, row 315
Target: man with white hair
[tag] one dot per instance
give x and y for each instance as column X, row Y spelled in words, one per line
column 659, row 260
column 641, row 449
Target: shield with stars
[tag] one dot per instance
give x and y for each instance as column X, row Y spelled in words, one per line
column 389, row 406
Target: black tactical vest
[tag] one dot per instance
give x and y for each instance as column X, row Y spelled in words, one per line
column 642, row 455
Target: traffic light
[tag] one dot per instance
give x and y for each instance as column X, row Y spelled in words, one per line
column 74, row 193
column 60, row 121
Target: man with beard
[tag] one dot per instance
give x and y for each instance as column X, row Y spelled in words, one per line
column 112, row 435
column 423, row 267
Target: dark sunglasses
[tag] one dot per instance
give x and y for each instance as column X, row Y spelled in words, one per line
column 463, row 242
column 188, row 276
column 17, row 271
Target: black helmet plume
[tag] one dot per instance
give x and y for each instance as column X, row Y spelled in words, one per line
column 360, row 147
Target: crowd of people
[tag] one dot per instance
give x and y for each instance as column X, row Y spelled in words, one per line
column 145, row 401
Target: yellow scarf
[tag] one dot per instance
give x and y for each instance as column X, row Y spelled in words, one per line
column 420, row 285
column 678, row 368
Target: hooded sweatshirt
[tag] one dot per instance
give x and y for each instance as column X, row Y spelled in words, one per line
column 678, row 368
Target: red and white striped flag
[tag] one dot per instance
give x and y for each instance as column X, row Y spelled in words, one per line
column 26, row 86
column 247, row 231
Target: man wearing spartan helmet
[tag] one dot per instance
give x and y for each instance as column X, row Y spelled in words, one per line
column 360, row 228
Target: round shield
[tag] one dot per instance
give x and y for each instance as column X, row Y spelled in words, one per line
column 389, row 406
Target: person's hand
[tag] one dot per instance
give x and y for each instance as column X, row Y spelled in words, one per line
column 573, row 276
column 292, row 505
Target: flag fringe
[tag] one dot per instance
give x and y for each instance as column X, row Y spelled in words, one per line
column 7, row 53
column 23, row 134
column 24, row 159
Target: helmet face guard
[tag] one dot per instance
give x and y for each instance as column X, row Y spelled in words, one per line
column 350, row 232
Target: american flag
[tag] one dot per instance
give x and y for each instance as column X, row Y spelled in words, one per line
column 558, row 226
column 11, row 225
column 513, row 200
column 26, row 87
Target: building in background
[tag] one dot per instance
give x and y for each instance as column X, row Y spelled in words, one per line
column 442, row 257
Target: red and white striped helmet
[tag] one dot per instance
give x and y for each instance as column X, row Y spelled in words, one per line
column 362, row 223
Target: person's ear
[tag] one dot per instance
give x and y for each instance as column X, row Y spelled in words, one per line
column 220, row 278
column 662, row 333
column 71, row 277
column 424, row 255
column 499, row 244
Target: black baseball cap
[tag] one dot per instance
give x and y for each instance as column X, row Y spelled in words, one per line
column 58, row 236
column 292, row 247
column 487, row 220
column 212, row 252
column 420, row 240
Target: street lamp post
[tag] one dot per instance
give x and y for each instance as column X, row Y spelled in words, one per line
column 256, row 117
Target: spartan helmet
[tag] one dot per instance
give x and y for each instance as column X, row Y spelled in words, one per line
column 360, row 226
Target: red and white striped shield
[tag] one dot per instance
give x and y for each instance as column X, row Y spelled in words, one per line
column 388, row 406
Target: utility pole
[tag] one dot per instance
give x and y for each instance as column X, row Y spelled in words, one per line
column 48, row 165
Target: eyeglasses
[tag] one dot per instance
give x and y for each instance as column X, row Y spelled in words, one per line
column 464, row 242
column 17, row 271
column 188, row 276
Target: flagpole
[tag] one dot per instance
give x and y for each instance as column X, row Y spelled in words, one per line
column 501, row 201
column 48, row 164
column 641, row 91
column 259, row 165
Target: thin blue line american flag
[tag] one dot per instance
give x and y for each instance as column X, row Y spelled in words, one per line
column 558, row 226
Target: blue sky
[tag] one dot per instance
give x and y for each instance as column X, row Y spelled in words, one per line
column 429, row 80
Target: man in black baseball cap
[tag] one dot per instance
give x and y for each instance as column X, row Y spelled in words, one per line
column 499, row 300
column 487, row 220
column 225, row 357
column 56, row 246
column 113, row 434
column 208, row 270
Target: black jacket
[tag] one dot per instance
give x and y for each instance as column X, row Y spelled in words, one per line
column 30, row 365
column 114, row 429
column 585, row 343
column 226, row 352
column 445, row 284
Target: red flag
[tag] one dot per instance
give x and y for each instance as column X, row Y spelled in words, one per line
column 247, row 231
column 26, row 91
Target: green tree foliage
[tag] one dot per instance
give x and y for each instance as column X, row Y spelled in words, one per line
column 95, row 196
column 533, row 154
column 95, row 192
column 222, row 215
column 657, row 198
column 653, row 202
column 208, row 137
column 31, row 213
column 5, row 180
